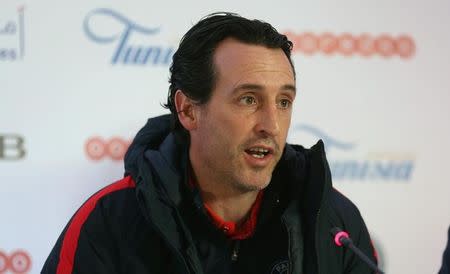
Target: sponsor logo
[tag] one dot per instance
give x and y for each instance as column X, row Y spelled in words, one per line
column 12, row 147
column 17, row 262
column 280, row 267
column 123, row 38
column 346, row 44
column 98, row 148
column 347, row 163
column 12, row 36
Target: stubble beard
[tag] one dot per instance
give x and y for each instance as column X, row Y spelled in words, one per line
column 242, row 178
column 236, row 174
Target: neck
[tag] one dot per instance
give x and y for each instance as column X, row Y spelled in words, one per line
column 230, row 208
column 227, row 201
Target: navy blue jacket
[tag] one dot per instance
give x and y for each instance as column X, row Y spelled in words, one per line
column 148, row 223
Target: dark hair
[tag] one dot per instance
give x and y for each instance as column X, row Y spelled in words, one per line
column 192, row 69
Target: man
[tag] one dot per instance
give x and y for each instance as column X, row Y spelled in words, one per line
column 445, row 268
column 214, row 188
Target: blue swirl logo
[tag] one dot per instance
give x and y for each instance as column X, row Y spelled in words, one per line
column 125, row 52
column 329, row 141
column 385, row 166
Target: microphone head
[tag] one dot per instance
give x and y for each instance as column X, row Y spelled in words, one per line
column 339, row 235
column 341, row 238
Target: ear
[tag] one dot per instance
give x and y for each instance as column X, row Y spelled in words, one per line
column 186, row 110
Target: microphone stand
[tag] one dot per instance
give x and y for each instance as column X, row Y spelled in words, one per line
column 341, row 238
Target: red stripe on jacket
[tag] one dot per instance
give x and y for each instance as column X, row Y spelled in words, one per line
column 70, row 242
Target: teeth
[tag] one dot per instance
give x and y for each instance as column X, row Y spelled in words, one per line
column 260, row 150
column 259, row 156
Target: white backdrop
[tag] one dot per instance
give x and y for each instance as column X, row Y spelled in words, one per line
column 69, row 92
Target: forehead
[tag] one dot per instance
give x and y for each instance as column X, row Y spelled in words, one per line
column 234, row 59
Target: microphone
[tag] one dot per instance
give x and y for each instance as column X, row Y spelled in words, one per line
column 341, row 238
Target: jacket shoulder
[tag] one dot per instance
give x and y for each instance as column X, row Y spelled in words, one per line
column 88, row 233
column 344, row 209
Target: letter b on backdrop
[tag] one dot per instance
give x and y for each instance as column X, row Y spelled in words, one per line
column 12, row 147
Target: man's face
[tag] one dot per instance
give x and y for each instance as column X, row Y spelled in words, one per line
column 241, row 131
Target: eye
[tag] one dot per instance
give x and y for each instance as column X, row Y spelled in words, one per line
column 247, row 100
column 285, row 103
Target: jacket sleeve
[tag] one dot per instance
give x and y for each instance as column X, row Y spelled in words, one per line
column 350, row 220
column 363, row 241
column 445, row 268
column 85, row 246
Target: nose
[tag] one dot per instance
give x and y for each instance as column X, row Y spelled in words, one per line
column 268, row 121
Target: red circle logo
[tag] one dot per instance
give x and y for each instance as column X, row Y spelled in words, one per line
column 4, row 262
column 365, row 45
column 98, row 148
column 328, row 43
column 19, row 262
column 116, row 148
column 385, row 46
column 308, row 43
column 95, row 148
column 405, row 46
column 346, row 44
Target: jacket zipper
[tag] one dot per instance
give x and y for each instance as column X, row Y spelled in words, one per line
column 289, row 247
column 175, row 251
column 235, row 251
column 317, row 237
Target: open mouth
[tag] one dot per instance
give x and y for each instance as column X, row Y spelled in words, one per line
column 258, row 152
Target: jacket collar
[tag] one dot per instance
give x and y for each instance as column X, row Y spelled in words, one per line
column 158, row 163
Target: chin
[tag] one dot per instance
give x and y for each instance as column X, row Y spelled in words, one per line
column 254, row 184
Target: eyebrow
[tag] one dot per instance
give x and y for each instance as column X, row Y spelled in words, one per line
column 256, row 87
